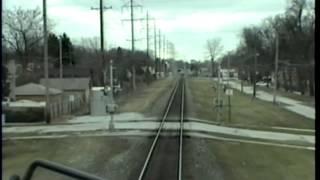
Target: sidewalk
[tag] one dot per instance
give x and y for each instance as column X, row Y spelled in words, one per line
column 289, row 104
column 129, row 122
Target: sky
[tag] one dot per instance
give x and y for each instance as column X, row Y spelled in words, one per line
column 188, row 24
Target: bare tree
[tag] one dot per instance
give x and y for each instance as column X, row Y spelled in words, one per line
column 22, row 32
column 87, row 52
column 299, row 25
column 92, row 44
column 214, row 48
column 172, row 50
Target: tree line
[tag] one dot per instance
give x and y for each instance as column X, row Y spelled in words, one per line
column 22, row 39
column 295, row 32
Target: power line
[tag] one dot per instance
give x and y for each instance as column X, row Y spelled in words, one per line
column 164, row 47
column 147, row 34
column 132, row 5
column 159, row 51
column 132, row 20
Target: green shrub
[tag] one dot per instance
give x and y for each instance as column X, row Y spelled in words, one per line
column 31, row 115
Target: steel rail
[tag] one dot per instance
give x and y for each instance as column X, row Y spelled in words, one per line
column 181, row 133
column 142, row 173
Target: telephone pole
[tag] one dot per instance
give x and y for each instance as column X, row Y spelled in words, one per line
column 255, row 74
column 159, row 51
column 101, row 9
column 60, row 57
column 228, row 61
column 132, row 25
column 218, row 94
column 132, row 45
column 147, row 33
column 46, row 70
column 159, row 34
column 164, row 47
column 155, row 50
column 155, row 40
column 276, row 71
column 168, row 49
column 164, row 65
column 132, row 19
column 229, row 95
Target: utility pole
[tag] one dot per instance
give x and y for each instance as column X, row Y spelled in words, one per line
column 155, row 49
column 163, row 54
column 168, row 49
column 111, row 79
column 229, row 95
column 242, row 76
column 228, row 61
column 159, row 34
column 255, row 74
column 101, row 28
column 101, row 9
column 60, row 58
column 46, row 70
column 159, row 51
column 132, row 19
column 155, row 40
column 147, row 33
column 218, row 94
column 132, row 25
column 164, row 47
column 276, row 70
column 112, row 104
column 132, row 45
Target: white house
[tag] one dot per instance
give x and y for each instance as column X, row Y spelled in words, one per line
column 229, row 74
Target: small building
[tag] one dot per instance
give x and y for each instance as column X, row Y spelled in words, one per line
column 229, row 74
column 36, row 92
column 205, row 71
column 78, row 87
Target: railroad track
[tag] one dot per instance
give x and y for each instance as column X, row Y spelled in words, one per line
column 164, row 159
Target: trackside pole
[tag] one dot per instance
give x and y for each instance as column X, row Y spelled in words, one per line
column 112, row 105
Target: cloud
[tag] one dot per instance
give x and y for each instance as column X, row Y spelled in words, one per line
column 186, row 23
column 210, row 22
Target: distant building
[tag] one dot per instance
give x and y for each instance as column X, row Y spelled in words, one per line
column 78, row 87
column 36, row 92
column 205, row 71
column 229, row 74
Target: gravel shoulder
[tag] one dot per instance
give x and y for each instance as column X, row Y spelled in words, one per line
column 199, row 162
column 149, row 99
